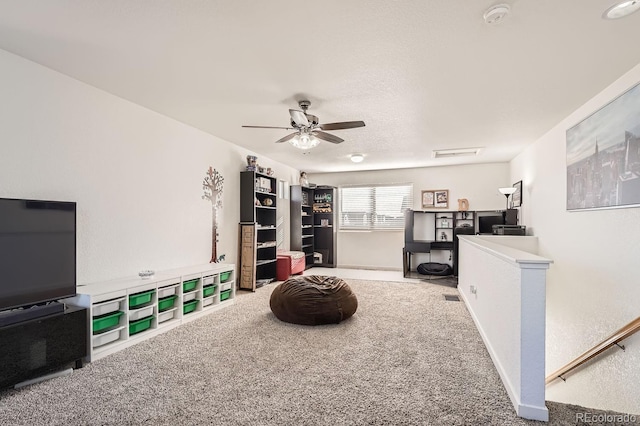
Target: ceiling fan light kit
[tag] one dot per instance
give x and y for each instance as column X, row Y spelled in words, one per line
column 308, row 130
column 304, row 141
column 621, row 9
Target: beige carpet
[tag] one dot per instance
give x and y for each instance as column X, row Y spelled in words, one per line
column 407, row 357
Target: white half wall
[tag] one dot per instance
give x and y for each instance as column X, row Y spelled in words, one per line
column 503, row 288
column 478, row 183
column 592, row 287
column 136, row 175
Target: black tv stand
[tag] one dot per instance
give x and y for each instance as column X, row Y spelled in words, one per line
column 27, row 313
column 40, row 346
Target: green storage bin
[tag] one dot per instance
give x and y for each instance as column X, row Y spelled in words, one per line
column 106, row 321
column 166, row 303
column 208, row 290
column 189, row 285
column 139, row 299
column 224, row 295
column 140, row 325
column 224, row 276
column 189, row 306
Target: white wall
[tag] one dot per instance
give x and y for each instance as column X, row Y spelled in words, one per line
column 478, row 183
column 135, row 174
column 592, row 287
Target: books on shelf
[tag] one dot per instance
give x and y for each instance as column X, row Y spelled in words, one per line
column 322, row 207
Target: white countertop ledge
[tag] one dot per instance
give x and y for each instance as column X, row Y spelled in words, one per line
column 501, row 247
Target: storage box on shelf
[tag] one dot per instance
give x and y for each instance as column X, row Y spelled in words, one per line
column 224, row 295
column 124, row 312
column 167, row 301
column 227, row 288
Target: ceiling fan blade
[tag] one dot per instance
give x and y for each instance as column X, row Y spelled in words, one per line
column 342, row 125
column 326, row 136
column 268, row 127
column 299, row 117
column 287, row 138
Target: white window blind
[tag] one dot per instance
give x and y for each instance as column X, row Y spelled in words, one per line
column 374, row 206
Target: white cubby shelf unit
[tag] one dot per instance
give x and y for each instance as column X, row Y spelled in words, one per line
column 126, row 311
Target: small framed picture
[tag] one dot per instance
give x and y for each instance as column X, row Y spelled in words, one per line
column 516, row 197
column 438, row 199
column 441, row 199
column 427, row 199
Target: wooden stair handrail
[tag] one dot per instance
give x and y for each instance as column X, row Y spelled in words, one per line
column 610, row 341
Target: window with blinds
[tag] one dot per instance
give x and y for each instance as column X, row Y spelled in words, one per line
column 374, row 207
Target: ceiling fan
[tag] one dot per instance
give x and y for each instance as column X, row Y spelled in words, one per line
column 308, row 130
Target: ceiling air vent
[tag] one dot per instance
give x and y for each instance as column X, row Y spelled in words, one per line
column 461, row 152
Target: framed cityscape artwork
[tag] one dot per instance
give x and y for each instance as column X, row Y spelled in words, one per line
column 603, row 156
column 516, row 197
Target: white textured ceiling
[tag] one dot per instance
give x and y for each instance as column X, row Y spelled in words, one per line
column 422, row 74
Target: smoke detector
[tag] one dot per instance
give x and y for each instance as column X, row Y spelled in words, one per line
column 621, row 9
column 495, row 14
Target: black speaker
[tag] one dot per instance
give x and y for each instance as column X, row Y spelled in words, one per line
column 461, row 230
column 41, row 346
column 511, row 217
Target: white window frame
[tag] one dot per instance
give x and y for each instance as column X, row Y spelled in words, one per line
column 371, row 216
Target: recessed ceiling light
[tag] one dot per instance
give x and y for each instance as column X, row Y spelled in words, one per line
column 357, row 158
column 460, row 152
column 621, row 9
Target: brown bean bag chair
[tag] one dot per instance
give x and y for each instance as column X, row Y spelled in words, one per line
column 313, row 300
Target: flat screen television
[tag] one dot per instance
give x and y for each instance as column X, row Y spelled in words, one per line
column 485, row 223
column 38, row 246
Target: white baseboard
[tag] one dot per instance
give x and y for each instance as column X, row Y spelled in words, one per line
column 531, row 412
column 370, row 268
